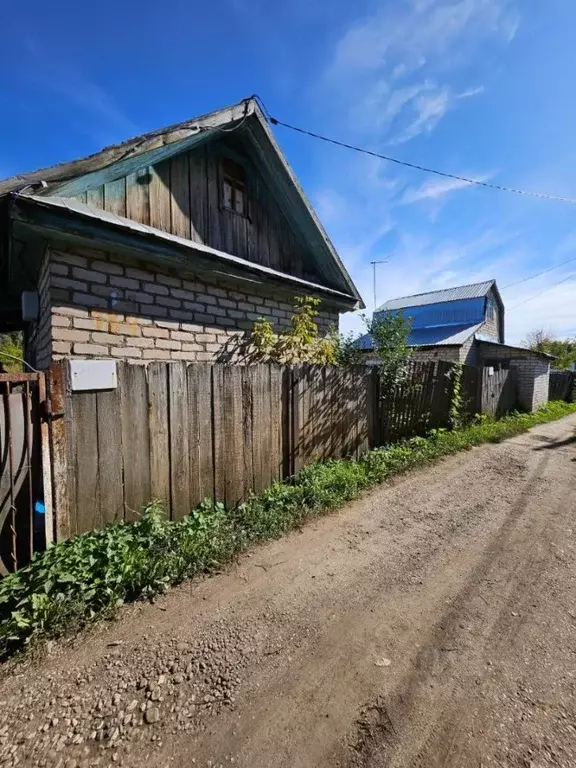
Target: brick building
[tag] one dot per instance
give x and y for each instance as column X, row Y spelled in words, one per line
column 166, row 247
column 445, row 323
column 466, row 324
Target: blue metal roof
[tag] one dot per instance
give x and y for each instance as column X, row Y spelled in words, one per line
column 474, row 291
column 460, row 312
column 442, row 335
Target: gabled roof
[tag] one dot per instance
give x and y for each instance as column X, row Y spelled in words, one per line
column 168, row 138
column 246, row 120
column 473, row 291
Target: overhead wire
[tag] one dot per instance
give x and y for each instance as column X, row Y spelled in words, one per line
column 414, row 166
column 538, row 274
column 571, row 276
column 444, row 174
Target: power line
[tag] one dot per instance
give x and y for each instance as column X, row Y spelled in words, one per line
column 537, row 274
column 417, row 167
column 536, row 295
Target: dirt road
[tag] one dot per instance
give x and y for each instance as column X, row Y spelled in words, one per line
column 431, row 623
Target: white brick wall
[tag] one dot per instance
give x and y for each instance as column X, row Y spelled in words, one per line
column 532, row 373
column 100, row 306
column 433, row 354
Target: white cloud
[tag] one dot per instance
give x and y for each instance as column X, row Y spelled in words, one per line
column 430, row 109
column 392, row 76
column 437, row 187
column 469, row 92
column 372, row 74
column 418, row 32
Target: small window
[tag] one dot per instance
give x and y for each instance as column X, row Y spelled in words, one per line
column 234, row 187
column 490, row 310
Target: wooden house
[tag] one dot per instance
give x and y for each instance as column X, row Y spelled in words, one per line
column 165, row 247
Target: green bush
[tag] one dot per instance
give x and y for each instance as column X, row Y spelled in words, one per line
column 88, row 577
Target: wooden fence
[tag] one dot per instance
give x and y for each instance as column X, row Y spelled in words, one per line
column 418, row 403
column 181, row 433
column 497, row 394
column 562, row 385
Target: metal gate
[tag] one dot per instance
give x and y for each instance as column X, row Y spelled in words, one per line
column 25, row 508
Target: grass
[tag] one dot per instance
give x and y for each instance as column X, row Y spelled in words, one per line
column 77, row 581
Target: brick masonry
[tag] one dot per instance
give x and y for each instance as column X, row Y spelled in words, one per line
column 96, row 305
column 532, row 372
column 433, row 354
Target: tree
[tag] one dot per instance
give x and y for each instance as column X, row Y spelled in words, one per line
column 538, row 339
column 564, row 350
column 390, row 333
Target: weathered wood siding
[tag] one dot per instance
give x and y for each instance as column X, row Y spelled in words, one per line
column 182, row 196
column 181, row 433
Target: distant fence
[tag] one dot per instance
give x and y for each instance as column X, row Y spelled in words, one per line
column 562, row 385
column 181, row 432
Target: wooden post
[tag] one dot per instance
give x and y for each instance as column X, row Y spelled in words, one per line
column 58, row 406
column 374, row 426
column 296, row 426
column 46, row 459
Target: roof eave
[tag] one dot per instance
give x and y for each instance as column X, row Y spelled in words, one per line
column 155, row 245
column 172, row 136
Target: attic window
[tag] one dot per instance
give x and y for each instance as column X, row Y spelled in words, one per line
column 490, row 309
column 234, row 187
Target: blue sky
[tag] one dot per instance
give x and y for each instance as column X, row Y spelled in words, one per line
column 482, row 88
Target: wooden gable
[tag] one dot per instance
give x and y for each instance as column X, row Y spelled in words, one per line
column 183, row 195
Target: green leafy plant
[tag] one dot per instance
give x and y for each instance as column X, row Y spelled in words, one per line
column 82, row 579
column 347, row 351
column 457, row 403
column 390, row 333
column 302, row 343
column 564, row 350
column 11, row 347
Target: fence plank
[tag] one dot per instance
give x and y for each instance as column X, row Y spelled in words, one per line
column 179, row 448
column 286, row 447
column 219, row 436
column 258, row 447
column 233, row 435
column 276, row 422
column 362, row 430
column 200, row 438
column 248, row 380
column 86, row 460
column 135, row 438
column 159, row 432
column 296, row 415
column 561, row 385
column 60, row 436
column 109, row 434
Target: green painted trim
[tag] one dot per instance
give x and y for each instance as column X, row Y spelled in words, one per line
column 131, row 164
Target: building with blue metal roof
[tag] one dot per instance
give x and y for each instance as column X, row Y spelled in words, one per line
column 445, row 323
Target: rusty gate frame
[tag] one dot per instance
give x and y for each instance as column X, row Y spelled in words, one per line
column 34, row 414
